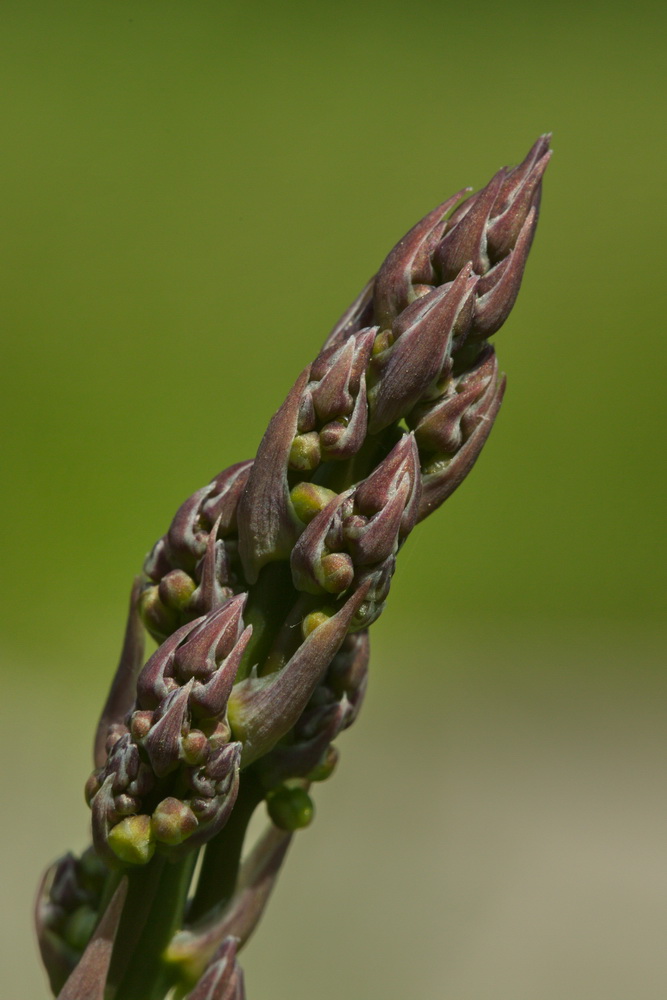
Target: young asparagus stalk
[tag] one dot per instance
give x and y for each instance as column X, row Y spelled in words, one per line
column 260, row 596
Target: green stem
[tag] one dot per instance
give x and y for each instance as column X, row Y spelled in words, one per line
column 142, row 888
column 222, row 856
column 155, row 907
column 340, row 476
column 269, row 602
column 110, row 885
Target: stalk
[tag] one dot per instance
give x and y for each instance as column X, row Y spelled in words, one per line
column 146, row 976
column 222, row 856
column 260, row 595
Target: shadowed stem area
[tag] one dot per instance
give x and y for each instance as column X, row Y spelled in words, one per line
column 153, row 912
column 222, row 855
column 269, row 602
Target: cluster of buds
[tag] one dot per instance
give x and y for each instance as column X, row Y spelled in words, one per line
column 420, row 329
column 484, row 242
column 261, row 592
column 333, row 706
column 353, row 541
column 171, row 773
column 67, row 910
column 333, row 410
column 193, row 569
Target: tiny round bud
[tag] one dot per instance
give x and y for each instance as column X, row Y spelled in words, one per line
column 305, row 452
column 158, row 619
column 92, row 786
column 384, row 339
column 125, row 805
column 337, row 572
column 203, row 808
column 290, row 808
column 217, row 731
column 116, row 730
column 173, row 822
column 368, row 613
column 331, row 434
column 196, row 748
column 353, row 526
column 313, row 621
column 326, row 766
column 309, row 499
column 436, row 464
column 140, row 724
column 132, row 840
column 176, row 589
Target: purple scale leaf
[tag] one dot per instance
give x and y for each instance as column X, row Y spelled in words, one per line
column 151, row 685
column 466, row 241
column 88, row 980
column 163, row 742
column 408, row 264
column 417, row 357
column 438, row 486
column 122, row 691
column 261, row 710
column 267, row 524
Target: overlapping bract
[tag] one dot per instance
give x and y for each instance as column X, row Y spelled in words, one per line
column 193, row 569
column 66, row 912
column 353, row 541
column 175, row 738
column 223, row 977
column 261, row 591
column 422, row 326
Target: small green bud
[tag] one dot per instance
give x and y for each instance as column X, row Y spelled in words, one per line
column 305, row 452
column 290, row 808
column 140, row 724
column 436, row 464
column 326, row 766
column 308, row 499
column 132, row 841
column 337, row 572
column 176, row 589
column 93, row 871
column 158, row 619
column 314, row 620
column 195, row 747
column 173, row 822
column 217, row 732
column 384, row 339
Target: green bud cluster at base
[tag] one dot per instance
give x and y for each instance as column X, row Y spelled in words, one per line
column 290, row 808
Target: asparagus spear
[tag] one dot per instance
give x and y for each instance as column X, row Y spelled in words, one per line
column 260, row 596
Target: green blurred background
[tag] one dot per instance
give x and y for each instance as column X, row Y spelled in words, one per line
column 192, row 193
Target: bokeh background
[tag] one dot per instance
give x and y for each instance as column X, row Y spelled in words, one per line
column 192, row 193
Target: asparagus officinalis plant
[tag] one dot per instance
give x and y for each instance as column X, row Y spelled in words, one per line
column 260, row 596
